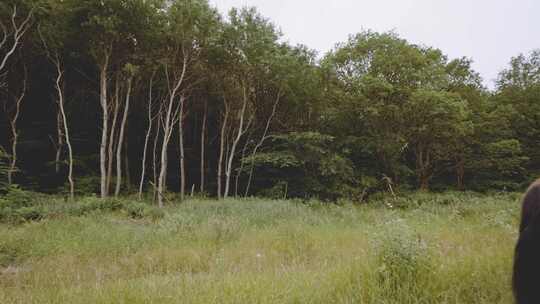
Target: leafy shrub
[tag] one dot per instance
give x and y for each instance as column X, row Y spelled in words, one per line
column 309, row 163
column 85, row 185
column 139, row 210
column 16, row 197
column 21, row 215
column 277, row 191
column 30, row 213
column 403, row 261
column 136, row 210
column 18, row 205
column 92, row 204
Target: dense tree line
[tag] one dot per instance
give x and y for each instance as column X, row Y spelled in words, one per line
column 153, row 97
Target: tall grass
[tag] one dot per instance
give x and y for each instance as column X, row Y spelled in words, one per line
column 446, row 248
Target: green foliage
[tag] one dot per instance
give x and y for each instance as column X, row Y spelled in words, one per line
column 387, row 92
column 403, row 262
column 313, row 165
column 86, row 185
column 4, row 167
column 519, row 92
column 377, row 110
column 434, row 121
column 19, row 206
column 451, row 248
column 15, row 197
column 524, row 72
column 141, row 210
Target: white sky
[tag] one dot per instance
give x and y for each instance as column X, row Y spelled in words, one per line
column 488, row 31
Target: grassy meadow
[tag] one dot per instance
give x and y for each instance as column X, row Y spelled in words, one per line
column 423, row 248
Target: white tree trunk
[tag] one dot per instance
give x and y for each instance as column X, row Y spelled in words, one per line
column 182, row 151
column 16, row 33
column 62, row 117
column 147, row 138
column 126, row 162
column 60, row 141
column 112, row 136
column 239, row 134
column 169, row 121
column 14, row 133
column 222, row 149
column 104, row 131
column 60, row 91
column 203, row 145
column 242, row 164
column 167, row 130
column 154, row 154
column 260, row 143
column 121, row 140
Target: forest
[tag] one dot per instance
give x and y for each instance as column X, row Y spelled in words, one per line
column 159, row 151
column 156, row 97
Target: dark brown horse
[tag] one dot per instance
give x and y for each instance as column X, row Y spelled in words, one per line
column 526, row 277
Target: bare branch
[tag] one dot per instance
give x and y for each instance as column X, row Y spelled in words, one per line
column 18, row 33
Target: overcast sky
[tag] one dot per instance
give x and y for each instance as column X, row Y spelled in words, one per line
column 488, row 31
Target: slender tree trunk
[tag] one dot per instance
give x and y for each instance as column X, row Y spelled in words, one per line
column 59, row 89
column 182, row 151
column 170, row 118
column 147, row 138
column 14, row 133
column 242, row 163
column 234, row 144
column 121, row 140
column 260, row 143
column 167, row 130
column 203, row 145
column 154, row 155
column 126, row 161
column 222, row 149
column 104, row 107
column 59, row 143
column 63, row 129
column 112, row 136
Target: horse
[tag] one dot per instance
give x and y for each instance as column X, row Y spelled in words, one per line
column 526, row 270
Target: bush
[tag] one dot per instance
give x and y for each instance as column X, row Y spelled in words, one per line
column 85, row 185
column 139, row 210
column 30, row 213
column 403, row 260
column 18, row 205
column 21, row 215
column 92, row 204
column 16, row 197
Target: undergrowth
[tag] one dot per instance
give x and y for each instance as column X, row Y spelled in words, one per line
column 423, row 248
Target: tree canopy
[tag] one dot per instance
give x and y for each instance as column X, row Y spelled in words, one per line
column 181, row 97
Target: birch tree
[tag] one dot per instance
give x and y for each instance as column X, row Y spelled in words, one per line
column 54, row 33
column 130, row 71
column 13, row 110
column 151, row 118
column 13, row 29
column 190, row 23
column 113, row 30
column 249, row 43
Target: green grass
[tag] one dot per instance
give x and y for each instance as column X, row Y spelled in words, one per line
column 446, row 248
